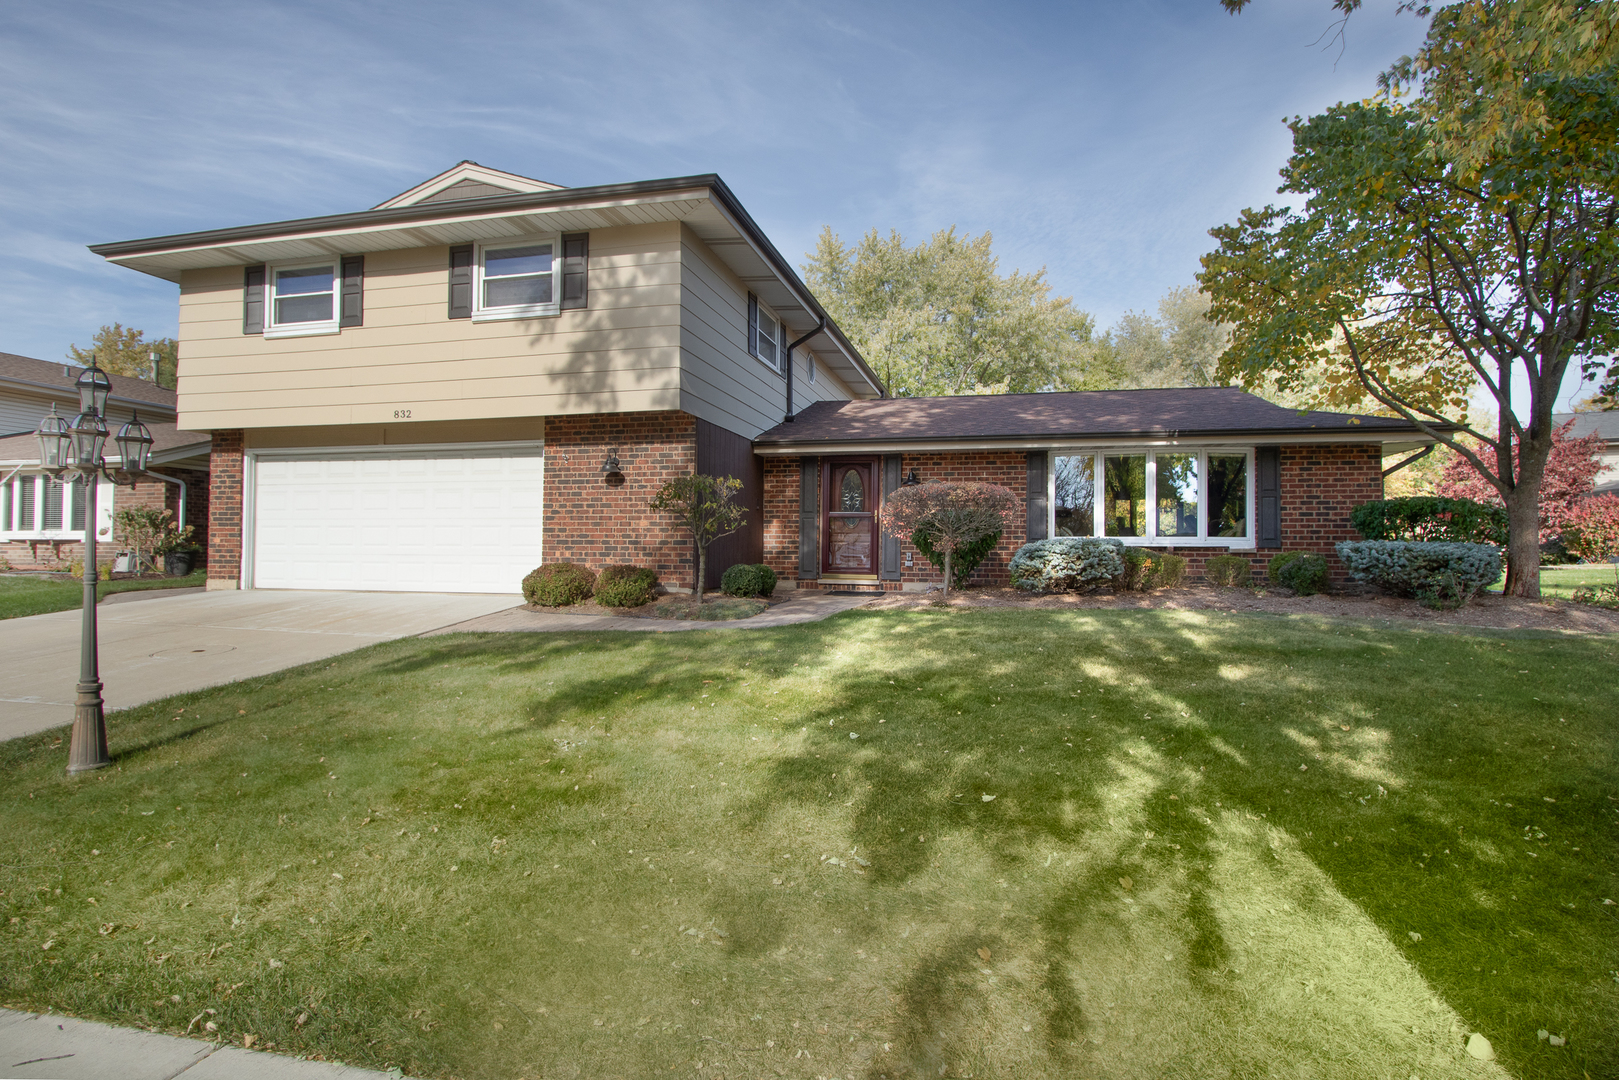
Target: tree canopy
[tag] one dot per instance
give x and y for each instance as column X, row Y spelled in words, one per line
column 126, row 351
column 1180, row 346
column 1416, row 272
column 940, row 319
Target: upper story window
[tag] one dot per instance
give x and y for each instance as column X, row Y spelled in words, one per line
column 302, row 300
column 517, row 280
column 764, row 333
column 1150, row 497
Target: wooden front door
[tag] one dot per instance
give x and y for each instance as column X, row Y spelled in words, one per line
column 849, row 525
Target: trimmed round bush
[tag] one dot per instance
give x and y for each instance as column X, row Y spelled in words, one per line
column 1145, row 570
column 1306, row 574
column 558, row 584
column 1278, row 563
column 625, row 586
column 1438, row 573
column 1227, row 571
column 748, row 579
column 1067, row 564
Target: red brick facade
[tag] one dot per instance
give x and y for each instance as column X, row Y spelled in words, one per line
column 225, row 510
column 1320, row 485
column 593, row 522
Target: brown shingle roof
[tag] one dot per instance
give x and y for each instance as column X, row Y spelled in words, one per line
column 44, row 373
column 1177, row 412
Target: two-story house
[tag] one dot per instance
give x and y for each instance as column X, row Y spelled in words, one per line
column 41, row 519
column 488, row 372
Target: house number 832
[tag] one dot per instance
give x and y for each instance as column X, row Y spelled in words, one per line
column 401, row 414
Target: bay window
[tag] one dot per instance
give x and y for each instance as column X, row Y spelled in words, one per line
column 36, row 507
column 1168, row 497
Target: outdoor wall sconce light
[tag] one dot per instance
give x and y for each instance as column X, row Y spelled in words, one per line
column 77, row 448
column 611, row 471
column 911, row 480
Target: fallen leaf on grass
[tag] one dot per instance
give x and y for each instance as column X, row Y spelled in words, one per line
column 1126, row 883
column 983, row 954
column 987, row 798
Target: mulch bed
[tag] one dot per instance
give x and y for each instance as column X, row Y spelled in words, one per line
column 673, row 606
column 1498, row 612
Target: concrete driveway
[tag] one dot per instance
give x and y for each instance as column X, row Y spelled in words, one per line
column 159, row 647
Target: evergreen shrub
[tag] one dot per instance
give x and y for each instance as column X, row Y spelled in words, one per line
column 1431, row 518
column 625, row 586
column 1438, row 573
column 1067, row 564
column 1227, row 571
column 1305, row 573
column 558, row 584
column 965, row 560
column 748, row 579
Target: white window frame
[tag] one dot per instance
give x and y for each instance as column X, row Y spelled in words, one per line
column 1152, row 539
column 779, row 340
column 481, row 313
column 66, row 533
column 273, row 329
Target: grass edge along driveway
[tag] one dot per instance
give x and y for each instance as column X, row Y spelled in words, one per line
column 992, row 843
column 22, row 595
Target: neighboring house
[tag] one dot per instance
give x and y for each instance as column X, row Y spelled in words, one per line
column 488, row 372
column 42, row 520
column 1605, row 424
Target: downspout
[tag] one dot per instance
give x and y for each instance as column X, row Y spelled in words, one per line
column 788, row 359
column 182, row 483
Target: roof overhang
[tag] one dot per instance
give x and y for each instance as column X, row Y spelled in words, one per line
column 1393, row 442
column 701, row 203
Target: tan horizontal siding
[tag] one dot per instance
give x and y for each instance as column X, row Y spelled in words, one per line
column 621, row 353
column 517, row 429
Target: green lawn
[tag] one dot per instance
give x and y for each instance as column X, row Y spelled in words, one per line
column 1559, row 582
column 22, row 595
column 988, row 843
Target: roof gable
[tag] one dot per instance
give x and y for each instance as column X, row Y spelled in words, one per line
column 467, row 180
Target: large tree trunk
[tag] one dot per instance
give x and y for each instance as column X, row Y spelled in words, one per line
column 1523, row 543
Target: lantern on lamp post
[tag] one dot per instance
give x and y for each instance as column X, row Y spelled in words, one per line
column 77, row 448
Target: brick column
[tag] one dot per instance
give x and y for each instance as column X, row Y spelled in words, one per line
column 1320, row 486
column 225, row 511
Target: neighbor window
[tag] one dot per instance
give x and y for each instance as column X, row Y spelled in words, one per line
column 42, row 507
column 302, row 299
column 1183, row 497
column 517, row 280
column 766, row 341
column 769, row 338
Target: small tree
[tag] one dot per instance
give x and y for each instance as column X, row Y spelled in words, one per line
column 1591, row 530
column 1570, row 476
column 950, row 515
column 142, row 527
column 705, row 506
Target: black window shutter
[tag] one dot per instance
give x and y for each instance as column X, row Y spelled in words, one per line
column 753, row 325
column 461, row 281
column 809, row 518
column 253, row 300
column 1269, row 461
column 575, row 269
column 890, row 564
column 1035, row 496
column 353, row 291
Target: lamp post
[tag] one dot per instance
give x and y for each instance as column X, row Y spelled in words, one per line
column 77, row 448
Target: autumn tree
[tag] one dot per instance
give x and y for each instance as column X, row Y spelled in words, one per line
column 126, row 351
column 940, row 318
column 1569, row 477
column 951, row 515
column 1437, row 253
column 1179, row 346
column 706, row 507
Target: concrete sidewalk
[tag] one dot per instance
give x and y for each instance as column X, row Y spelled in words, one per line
column 42, row 1046
column 172, row 644
column 801, row 607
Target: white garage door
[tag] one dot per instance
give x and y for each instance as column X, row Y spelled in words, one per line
column 463, row 523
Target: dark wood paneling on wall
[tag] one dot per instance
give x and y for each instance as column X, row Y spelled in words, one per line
column 725, row 453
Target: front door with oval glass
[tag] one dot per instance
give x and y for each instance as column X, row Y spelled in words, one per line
column 849, row 499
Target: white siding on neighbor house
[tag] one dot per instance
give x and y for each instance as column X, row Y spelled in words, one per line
column 621, row 354
column 719, row 380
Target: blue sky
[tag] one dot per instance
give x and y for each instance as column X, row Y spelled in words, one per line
column 1098, row 140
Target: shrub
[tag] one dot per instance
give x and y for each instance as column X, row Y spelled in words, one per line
column 558, row 584
column 1306, row 574
column 748, row 579
column 951, row 516
column 1150, row 570
column 963, row 562
column 1227, row 570
column 1278, row 563
column 1067, row 564
column 1427, row 517
column 1592, row 529
column 625, row 586
column 1440, row 574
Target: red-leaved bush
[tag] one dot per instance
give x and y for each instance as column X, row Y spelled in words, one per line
column 1591, row 529
column 1571, row 472
column 951, row 514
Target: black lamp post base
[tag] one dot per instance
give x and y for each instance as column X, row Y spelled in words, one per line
column 88, row 749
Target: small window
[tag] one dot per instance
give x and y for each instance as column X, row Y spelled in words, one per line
column 518, row 280
column 809, row 368
column 51, row 519
column 25, row 504
column 769, row 338
column 303, row 300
